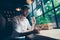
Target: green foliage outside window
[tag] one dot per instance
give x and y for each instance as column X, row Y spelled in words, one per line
column 42, row 20
column 57, row 10
column 48, row 6
column 56, row 2
column 49, row 16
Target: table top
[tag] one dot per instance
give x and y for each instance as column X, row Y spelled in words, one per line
column 54, row 33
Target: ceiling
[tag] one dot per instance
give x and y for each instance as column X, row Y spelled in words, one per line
column 7, row 7
column 13, row 3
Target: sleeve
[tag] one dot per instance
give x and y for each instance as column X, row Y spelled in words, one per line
column 16, row 25
column 28, row 26
column 15, row 21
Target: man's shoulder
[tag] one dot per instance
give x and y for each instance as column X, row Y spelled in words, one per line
column 16, row 17
column 27, row 20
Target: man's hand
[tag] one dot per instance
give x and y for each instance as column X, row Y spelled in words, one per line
column 38, row 29
column 35, row 31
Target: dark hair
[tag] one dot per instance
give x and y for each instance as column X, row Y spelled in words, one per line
column 23, row 8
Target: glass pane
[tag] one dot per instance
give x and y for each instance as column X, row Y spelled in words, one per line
column 39, row 20
column 37, row 12
column 58, row 15
column 56, row 2
column 48, row 6
column 34, row 5
column 57, row 10
column 50, row 18
column 38, row 3
column 50, row 15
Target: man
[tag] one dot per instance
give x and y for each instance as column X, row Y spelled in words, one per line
column 21, row 24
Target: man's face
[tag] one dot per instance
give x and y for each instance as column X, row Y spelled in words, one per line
column 26, row 11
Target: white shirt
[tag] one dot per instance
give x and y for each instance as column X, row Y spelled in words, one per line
column 21, row 25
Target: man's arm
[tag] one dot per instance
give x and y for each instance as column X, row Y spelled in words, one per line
column 31, row 28
column 33, row 20
column 23, row 33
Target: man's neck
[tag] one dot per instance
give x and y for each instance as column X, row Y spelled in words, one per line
column 22, row 17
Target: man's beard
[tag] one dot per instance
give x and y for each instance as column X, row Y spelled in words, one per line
column 25, row 15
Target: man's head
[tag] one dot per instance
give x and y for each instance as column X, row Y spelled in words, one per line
column 25, row 11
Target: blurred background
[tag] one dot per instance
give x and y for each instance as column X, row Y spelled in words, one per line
column 46, row 12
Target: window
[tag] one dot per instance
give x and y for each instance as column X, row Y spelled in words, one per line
column 48, row 6
column 57, row 10
column 39, row 20
column 58, row 15
column 34, row 5
column 56, row 2
column 49, row 13
column 37, row 12
column 50, row 16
